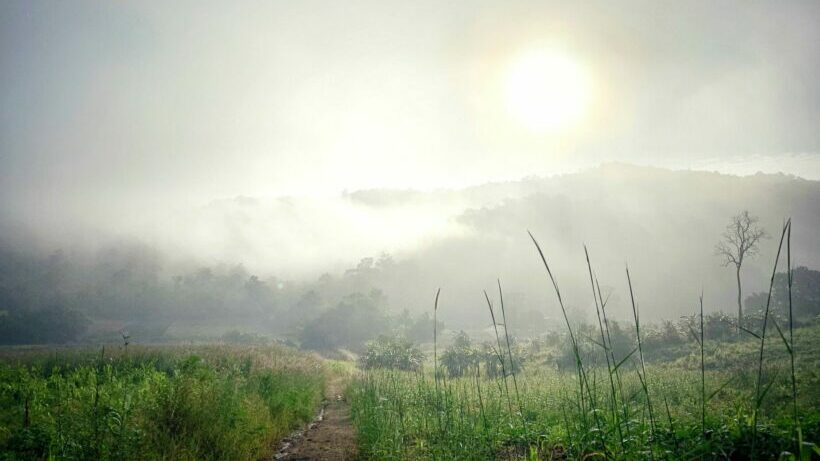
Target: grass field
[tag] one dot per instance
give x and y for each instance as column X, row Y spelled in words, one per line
column 153, row 402
column 413, row 415
column 752, row 395
column 738, row 398
column 233, row 402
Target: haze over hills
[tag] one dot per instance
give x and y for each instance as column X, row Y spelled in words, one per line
column 663, row 223
column 455, row 207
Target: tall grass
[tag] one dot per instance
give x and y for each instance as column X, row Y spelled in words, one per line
column 701, row 342
column 395, row 415
column 509, row 354
column 760, row 393
column 203, row 403
column 607, row 350
column 499, row 354
column 597, row 410
column 583, row 384
column 790, row 344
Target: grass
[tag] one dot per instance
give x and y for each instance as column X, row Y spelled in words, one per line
column 745, row 399
column 400, row 415
column 153, row 403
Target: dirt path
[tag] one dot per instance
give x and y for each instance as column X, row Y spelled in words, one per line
column 331, row 437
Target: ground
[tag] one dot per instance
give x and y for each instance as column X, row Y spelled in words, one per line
column 331, row 437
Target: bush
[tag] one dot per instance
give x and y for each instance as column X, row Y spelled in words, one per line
column 392, row 353
column 464, row 357
column 460, row 356
column 222, row 403
column 238, row 337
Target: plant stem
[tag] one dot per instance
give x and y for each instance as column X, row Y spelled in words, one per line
column 758, row 397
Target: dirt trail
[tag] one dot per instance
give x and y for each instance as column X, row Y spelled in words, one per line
column 331, row 437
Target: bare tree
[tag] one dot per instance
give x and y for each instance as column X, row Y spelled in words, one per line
column 740, row 241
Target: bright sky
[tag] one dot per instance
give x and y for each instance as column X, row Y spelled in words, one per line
column 109, row 104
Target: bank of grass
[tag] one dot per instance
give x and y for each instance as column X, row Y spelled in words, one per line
column 753, row 400
column 400, row 415
column 153, row 402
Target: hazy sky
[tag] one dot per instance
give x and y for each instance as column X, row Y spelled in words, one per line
column 110, row 105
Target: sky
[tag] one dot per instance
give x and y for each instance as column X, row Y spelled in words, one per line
column 120, row 109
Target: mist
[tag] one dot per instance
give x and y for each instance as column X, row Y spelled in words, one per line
column 422, row 230
column 188, row 171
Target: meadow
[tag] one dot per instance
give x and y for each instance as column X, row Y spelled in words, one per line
column 753, row 395
column 214, row 402
column 543, row 415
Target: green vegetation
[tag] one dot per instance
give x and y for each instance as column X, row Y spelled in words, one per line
column 352, row 322
column 603, row 396
column 400, row 415
column 805, row 295
column 174, row 403
column 392, row 353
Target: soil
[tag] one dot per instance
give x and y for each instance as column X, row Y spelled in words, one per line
column 330, row 437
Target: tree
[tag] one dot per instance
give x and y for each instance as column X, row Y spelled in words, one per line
column 53, row 324
column 805, row 295
column 740, row 241
column 416, row 328
column 355, row 320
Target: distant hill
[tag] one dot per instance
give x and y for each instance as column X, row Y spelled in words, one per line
column 251, row 256
column 664, row 223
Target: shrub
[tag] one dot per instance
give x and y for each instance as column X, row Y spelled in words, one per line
column 158, row 403
column 392, row 353
column 460, row 356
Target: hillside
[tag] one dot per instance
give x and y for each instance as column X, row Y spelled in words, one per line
column 251, row 266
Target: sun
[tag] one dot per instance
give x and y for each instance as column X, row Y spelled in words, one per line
column 546, row 91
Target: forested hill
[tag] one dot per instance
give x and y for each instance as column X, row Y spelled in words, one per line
column 663, row 223
column 275, row 264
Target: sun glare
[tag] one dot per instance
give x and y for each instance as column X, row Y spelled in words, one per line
column 546, row 91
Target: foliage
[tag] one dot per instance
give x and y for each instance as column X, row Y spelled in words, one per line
column 50, row 325
column 402, row 416
column 355, row 320
column 392, row 353
column 805, row 295
column 612, row 405
column 486, row 355
column 209, row 403
column 418, row 328
column 238, row 337
column 460, row 356
column 54, row 298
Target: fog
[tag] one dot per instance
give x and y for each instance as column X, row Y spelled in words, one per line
column 277, row 160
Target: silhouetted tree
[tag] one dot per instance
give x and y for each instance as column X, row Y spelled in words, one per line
column 355, row 320
column 740, row 241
